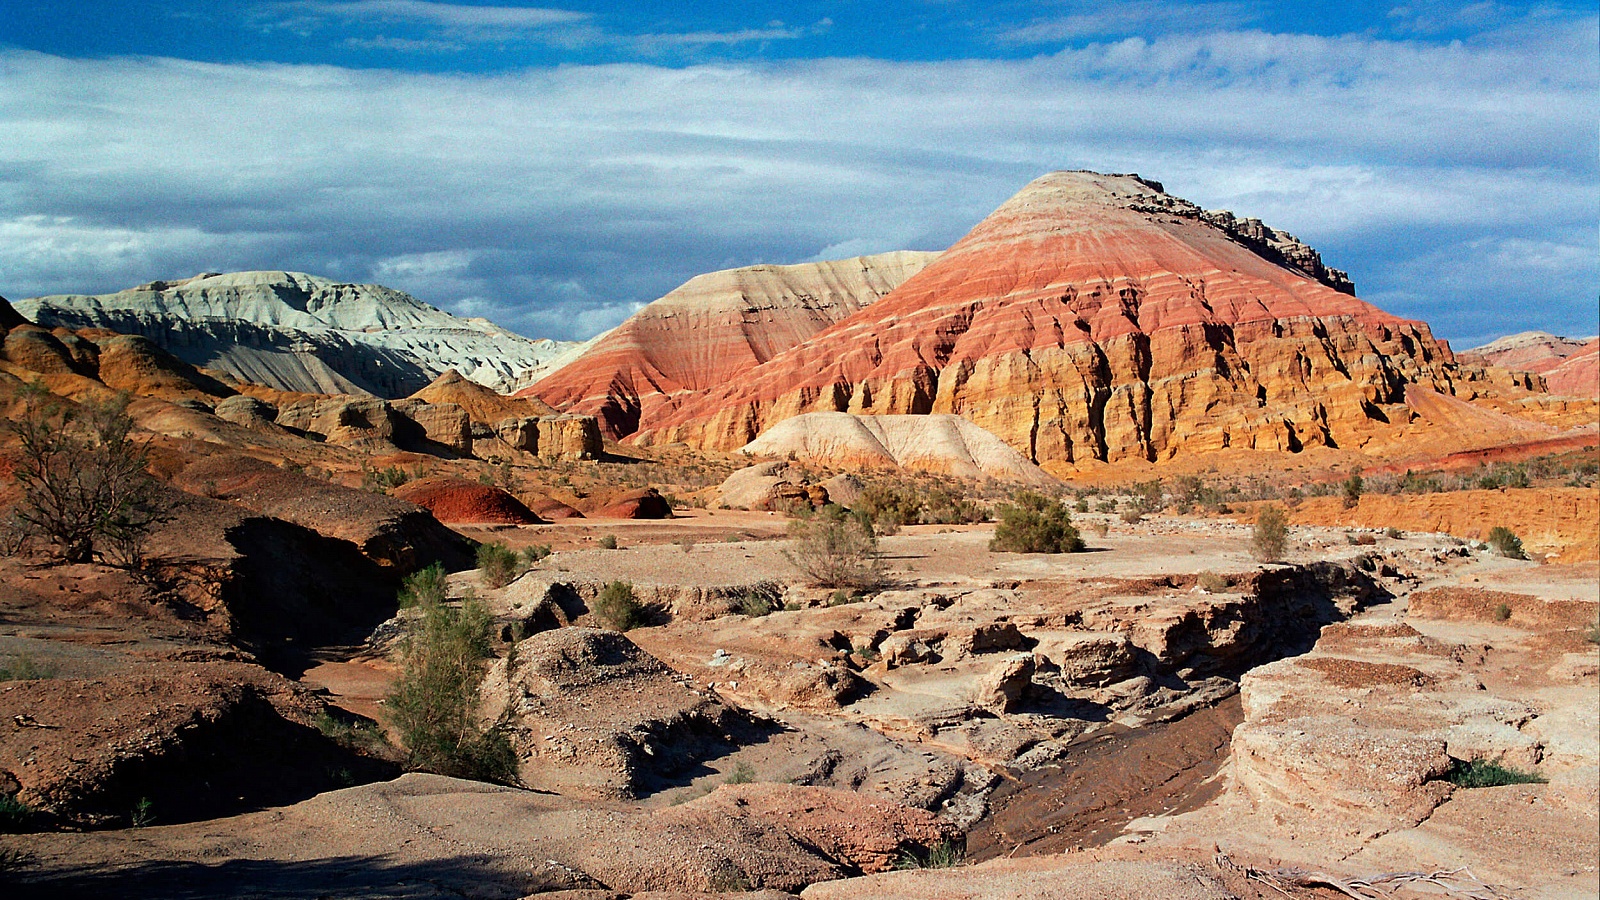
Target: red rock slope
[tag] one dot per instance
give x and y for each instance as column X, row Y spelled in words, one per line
column 1094, row 317
column 712, row 329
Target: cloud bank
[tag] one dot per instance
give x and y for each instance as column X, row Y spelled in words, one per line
column 1457, row 182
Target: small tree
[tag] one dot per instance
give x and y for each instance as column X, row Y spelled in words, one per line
column 1034, row 523
column 1270, row 538
column 83, row 478
column 434, row 705
column 1352, row 490
column 836, row 549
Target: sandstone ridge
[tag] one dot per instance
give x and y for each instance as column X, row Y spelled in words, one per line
column 1095, row 318
column 932, row 443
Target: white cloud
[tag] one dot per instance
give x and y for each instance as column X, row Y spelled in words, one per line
column 451, row 15
column 555, row 199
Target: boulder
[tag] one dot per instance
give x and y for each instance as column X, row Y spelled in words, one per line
column 1003, row 688
column 242, row 409
column 844, row 489
column 519, row 433
column 569, row 437
column 645, row 503
column 442, row 423
column 549, row 508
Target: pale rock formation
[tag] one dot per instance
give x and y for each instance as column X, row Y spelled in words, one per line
column 443, row 423
column 946, row 444
column 519, row 433
column 1567, row 367
column 251, row 412
column 571, row 437
column 298, row 332
column 714, row 327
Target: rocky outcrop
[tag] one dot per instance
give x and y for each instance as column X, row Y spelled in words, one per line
column 482, row 404
column 716, row 326
column 569, row 437
column 445, row 424
column 591, row 714
column 945, row 444
column 298, row 332
column 519, row 433
column 1092, row 317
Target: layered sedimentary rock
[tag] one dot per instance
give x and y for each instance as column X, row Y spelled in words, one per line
column 1570, row 368
column 298, row 332
column 933, row 443
column 715, row 327
column 1094, row 317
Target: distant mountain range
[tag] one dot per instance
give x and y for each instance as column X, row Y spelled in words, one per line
column 298, row 332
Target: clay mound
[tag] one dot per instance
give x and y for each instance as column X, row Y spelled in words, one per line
column 1095, row 318
column 713, row 328
column 458, row 500
column 549, row 508
column 1472, row 427
column 392, row 532
column 1528, row 351
column 34, row 349
column 644, row 503
column 136, row 365
column 593, row 715
column 481, row 403
column 940, row 443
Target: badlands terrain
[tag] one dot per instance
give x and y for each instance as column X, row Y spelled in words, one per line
column 210, row 707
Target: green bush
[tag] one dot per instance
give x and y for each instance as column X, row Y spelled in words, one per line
column 836, row 550
column 383, row 480
column 497, row 564
column 533, row 554
column 424, row 587
column 759, row 600
column 22, row 667
column 1212, row 582
column 608, row 542
column 1034, row 523
column 617, row 608
column 944, row 855
column 1352, row 490
column 743, row 773
column 943, row 507
column 434, row 704
column 15, row 816
column 1481, row 774
column 890, row 507
column 1505, row 542
column 1269, row 540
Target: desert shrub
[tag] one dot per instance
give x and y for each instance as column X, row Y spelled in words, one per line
column 686, row 544
column 1192, row 492
column 1211, row 581
column 350, row 731
column 1034, row 523
column 890, row 507
column 1352, row 490
column 946, row 854
column 1269, row 540
column 1393, row 533
column 1108, row 505
column 1502, row 612
column 15, row 816
column 743, row 773
column 1131, row 515
column 836, row 550
column 83, row 480
column 1505, row 542
column 1593, row 634
column 617, row 608
column 383, row 480
column 1148, row 496
column 608, row 542
column 759, row 600
column 497, row 564
column 22, row 667
column 533, row 554
column 1082, row 505
column 434, row 704
column 944, row 507
column 424, row 587
column 1480, row 773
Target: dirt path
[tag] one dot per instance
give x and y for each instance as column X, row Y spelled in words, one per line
column 1107, row 781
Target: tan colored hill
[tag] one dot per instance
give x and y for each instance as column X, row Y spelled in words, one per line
column 481, row 404
column 934, row 443
column 1096, row 318
column 713, row 328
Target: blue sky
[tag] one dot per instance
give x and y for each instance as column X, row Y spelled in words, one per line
column 553, row 167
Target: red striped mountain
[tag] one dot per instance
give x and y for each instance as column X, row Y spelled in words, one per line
column 1570, row 368
column 713, row 329
column 1090, row 317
